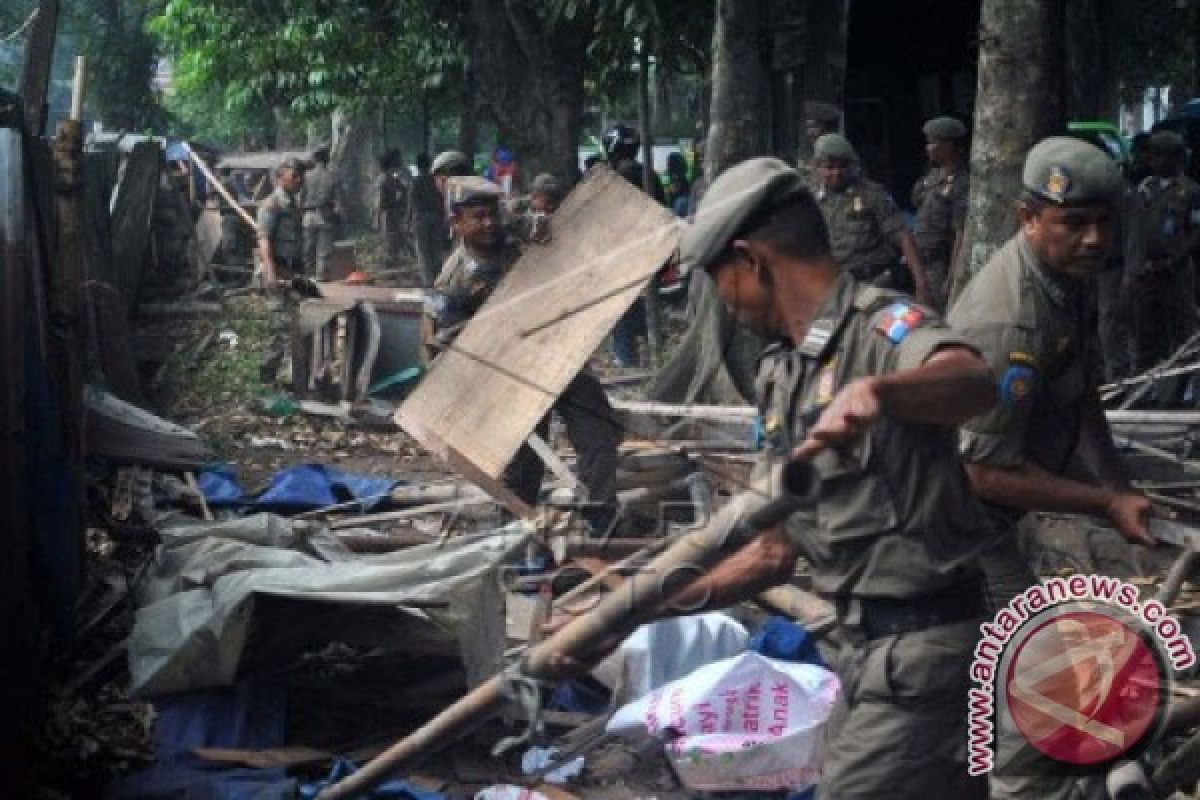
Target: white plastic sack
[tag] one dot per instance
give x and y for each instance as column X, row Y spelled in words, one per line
column 663, row 651
column 748, row 722
column 505, row 791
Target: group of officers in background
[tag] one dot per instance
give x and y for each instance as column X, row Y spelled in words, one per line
column 1146, row 297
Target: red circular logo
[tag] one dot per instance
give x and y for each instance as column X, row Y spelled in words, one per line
column 1084, row 688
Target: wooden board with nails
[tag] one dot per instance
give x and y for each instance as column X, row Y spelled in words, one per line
column 484, row 396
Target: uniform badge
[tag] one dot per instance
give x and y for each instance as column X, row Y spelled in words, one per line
column 858, row 204
column 1016, row 383
column 898, row 320
column 1057, row 184
column 1019, row 357
column 825, row 384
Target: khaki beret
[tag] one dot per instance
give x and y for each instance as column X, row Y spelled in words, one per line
column 470, row 190
column 944, row 128
column 1070, row 171
column 1167, row 141
column 834, row 145
column 822, row 112
column 546, row 183
column 449, row 160
column 737, row 195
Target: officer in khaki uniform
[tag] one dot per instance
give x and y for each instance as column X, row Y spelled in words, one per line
column 1026, row 311
column 866, row 230
column 940, row 199
column 280, row 234
column 470, row 275
column 869, row 386
column 322, row 203
column 1164, row 240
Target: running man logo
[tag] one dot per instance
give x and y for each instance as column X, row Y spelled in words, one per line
column 1085, row 688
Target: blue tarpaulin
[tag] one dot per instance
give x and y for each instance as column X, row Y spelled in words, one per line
column 389, row 790
column 299, row 487
column 783, row 639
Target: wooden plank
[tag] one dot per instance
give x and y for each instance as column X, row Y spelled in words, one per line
column 485, row 395
column 131, row 217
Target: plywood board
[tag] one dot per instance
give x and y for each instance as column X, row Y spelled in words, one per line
column 131, row 217
column 483, row 397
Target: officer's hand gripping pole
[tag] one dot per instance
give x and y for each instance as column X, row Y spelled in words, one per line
column 583, row 641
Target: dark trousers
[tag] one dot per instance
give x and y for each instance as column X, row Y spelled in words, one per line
column 594, row 433
column 628, row 329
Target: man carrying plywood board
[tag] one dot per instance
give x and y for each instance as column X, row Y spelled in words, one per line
column 530, row 320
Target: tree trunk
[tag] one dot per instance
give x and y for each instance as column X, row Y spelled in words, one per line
column 1090, row 66
column 530, row 81
column 1017, row 104
column 646, row 124
column 356, row 147
column 741, row 87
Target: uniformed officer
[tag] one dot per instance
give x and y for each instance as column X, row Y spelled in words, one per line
column 427, row 220
column 1164, row 238
column 866, row 230
column 545, row 193
column 471, row 273
column 940, row 199
column 1026, row 312
column 391, row 201
column 322, row 213
column 819, row 119
column 280, row 234
column 869, row 386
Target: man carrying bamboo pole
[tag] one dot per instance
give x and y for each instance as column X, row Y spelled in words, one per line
column 868, row 386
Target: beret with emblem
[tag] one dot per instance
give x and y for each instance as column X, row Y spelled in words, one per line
column 739, row 194
column 834, row 145
column 944, row 128
column 470, row 190
column 1069, row 171
column 449, row 161
column 1167, row 142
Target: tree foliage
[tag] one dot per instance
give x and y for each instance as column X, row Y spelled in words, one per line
column 307, row 57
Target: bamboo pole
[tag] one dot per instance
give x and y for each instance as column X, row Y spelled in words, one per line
column 586, row 638
column 216, row 184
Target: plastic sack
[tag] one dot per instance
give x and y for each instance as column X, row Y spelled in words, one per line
column 748, row 722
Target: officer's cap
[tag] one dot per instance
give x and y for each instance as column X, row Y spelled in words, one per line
column 291, row 163
column 1167, row 142
column 834, row 145
column 823, row 113
column 944, row 128
column 739, row 194
column 546, row 183
column 449, row 160
column 470, row 190
column 1069, row 171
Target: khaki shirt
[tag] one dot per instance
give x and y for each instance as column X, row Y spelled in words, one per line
column 896, row 516
column 321, row 190
column 1033, row 329
column 1163, row 215
column 279, row 222
column 941, row 202
column 465, row 283
column 864, row 226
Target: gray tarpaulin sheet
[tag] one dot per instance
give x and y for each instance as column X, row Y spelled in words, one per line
column 196, row 605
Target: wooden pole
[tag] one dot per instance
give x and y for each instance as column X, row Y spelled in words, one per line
column 654, row 339
column 35, row 68
column 216, row 184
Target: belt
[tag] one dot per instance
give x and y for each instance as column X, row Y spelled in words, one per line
column 961, row 602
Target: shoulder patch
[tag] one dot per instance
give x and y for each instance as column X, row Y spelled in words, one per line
column 1016, row 383
column 898, row 320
